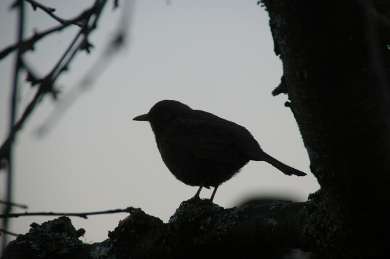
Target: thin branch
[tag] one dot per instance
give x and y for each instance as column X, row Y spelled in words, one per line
column 61, row 64
column 116, row 4
column 114, row 46
column 46, row 84
column 29, row 43
column 12, row 118
column 2, row 230
column 14, row 204
column 4, row 149
column 75, row 214
column 88, row 19
column 50, row 11
column 44, row 87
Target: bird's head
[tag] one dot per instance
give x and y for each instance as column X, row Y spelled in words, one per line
column 163, row 113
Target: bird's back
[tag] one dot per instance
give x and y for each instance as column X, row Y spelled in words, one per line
column 204, row 149
column 239, row 135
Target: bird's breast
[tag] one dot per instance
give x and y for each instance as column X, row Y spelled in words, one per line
column 200, row 158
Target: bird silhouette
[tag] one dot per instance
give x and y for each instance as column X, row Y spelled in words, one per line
column 202, row 149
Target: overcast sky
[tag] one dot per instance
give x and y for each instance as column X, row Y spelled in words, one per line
column 212, row 55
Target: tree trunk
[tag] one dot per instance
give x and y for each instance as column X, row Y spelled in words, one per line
column 336, row 64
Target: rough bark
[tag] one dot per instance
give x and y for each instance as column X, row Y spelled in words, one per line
column 198, row 229
column 336, row 66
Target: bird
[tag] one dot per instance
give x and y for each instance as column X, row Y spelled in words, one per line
column 202, row 149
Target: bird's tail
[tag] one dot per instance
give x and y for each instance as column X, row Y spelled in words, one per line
column 288, row 170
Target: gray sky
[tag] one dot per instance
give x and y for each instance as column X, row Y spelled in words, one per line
column 212, row 55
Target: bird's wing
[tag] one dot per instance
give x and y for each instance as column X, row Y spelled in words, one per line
column 210, row 136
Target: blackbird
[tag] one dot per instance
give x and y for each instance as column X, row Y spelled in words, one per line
column 202, row 149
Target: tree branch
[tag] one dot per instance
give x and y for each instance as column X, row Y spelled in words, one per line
column 12, row 118
column 45, row 85
column 2, row 230
column 13, row 204
column 113, row 47
column 198, row 229
column 68, row 214
column 29, row 43
column 50, row 11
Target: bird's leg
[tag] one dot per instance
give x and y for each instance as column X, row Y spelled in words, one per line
column 196, row 196
column 213, row 194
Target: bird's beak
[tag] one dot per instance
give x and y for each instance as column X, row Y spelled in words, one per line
column 143, row 117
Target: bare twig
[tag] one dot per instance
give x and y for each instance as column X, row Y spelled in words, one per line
column 12, row 119
column 46, row 84
column 76, row 214
column 117, row 43
column 116, row 4
column 62, row 63
column 50, row 11
column 28, row 44
column 14, row 204
column 2, row 230
column 4, row 149
column 87, row 20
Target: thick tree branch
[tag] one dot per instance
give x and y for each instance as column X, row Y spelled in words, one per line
column 198, row 229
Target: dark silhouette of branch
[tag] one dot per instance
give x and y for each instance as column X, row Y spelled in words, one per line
column 4, row 149
column 266, row 228
column 50, row 11
column 28, row 44
column 114, row 46
column 12, row 119
column 14, row 204
column 281, row 88
column 2, row 230
column 115, row 4
column 67, row 56
column 68, row 214
column 45, row 85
